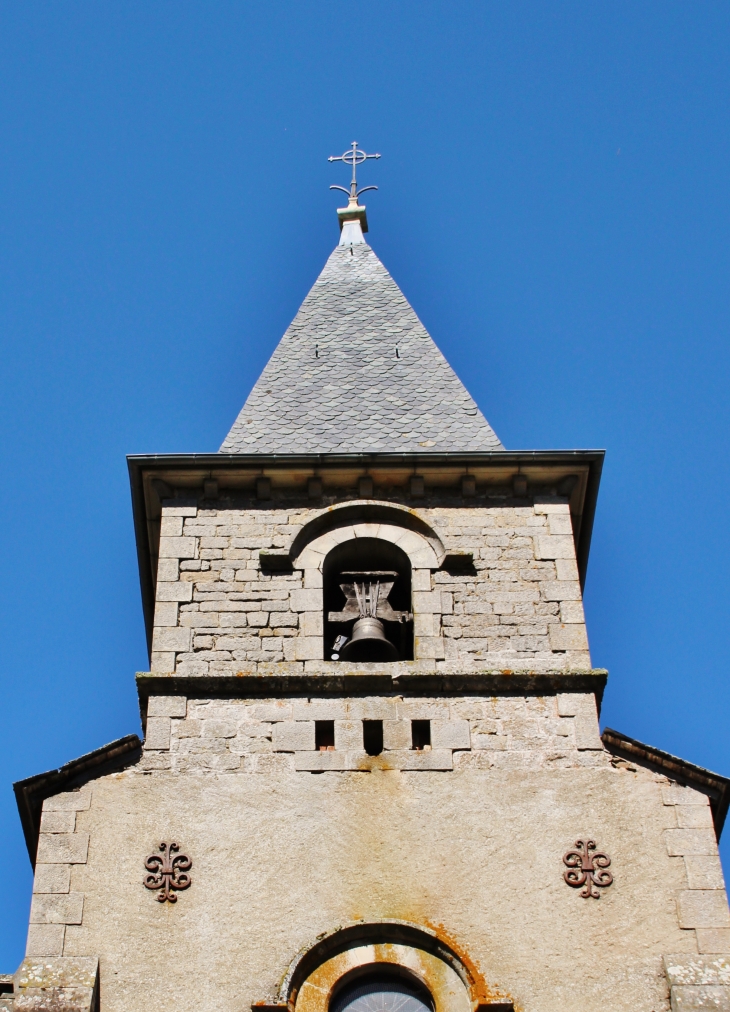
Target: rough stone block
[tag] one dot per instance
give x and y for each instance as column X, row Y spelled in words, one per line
column 570, row 703
column 421, row 580
column 58, row 822
column 396, row 734
column 450, row 734
column 45, row 940
column 694, row 817
column 162, row 662
column 69, row 801
column 700, row 999
column 52, row 878
column 713, row 940
column 308, row 648
column 560, row 590
column 168, row 570
column 560, row 523
column 293, row 736
column 423, row 709
column 567, row 569
column 686, row 968
column 568, row 637
column 166, row 613
column 319, row 709
column 585, row 725
column 306, row 600
column 436, row 759
column 704, row 872
column 65, row 971
column 178, row 548
column 571, row 612
column 426, row 625
column 318, row 762
column 171, row 527
column 675, row 794
column 62, row 848
column 219, row 728
column 371, row 708
column 181, row 591
column 177, row 640
column 311, row 623
column 429, row 648
column 427, row 603
column 703, row 908
column 157, row 733
column 312, row 579
column 690, row 841
column 167, row 706
column 348, row 735
column 554, row 546
column 57, row 908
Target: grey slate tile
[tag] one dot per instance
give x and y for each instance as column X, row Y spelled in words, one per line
column 334, row 383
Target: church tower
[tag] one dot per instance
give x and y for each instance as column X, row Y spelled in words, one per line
column 372, row 778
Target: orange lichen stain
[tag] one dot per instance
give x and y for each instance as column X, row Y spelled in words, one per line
column 480, row 990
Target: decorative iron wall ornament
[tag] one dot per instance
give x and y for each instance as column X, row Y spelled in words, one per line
column 168, row 872
column 587, row 869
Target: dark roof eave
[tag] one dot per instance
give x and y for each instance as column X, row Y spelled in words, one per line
column 33, row 791
column 716, row 787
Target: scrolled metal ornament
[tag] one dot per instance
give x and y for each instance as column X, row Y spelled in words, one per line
column 587, row 869
column 168, row 872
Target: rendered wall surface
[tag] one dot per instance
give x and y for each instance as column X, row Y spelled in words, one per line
column 282, row 855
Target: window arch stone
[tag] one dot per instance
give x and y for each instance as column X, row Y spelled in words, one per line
column 428, row 604
column 319, row 972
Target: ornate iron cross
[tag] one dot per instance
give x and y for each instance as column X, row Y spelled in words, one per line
column 354, row 157
column 168, row 871
column 587, row 869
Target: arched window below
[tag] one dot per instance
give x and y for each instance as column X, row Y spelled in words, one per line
column 382, row 992
column 367, row 602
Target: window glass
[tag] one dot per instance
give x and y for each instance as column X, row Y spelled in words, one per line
column 381, row 994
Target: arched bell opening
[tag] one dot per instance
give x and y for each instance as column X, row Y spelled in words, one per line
column 380, row 987
column 367, row 602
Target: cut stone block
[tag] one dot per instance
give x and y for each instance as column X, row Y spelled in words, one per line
column 167, row 706
column 703, row 908
column 52, row 878
column 62, row 908
column 62, row 848
column 690, row 841
column 294, row 736
column 69, row 801
column 45, row 939
column 450, row 734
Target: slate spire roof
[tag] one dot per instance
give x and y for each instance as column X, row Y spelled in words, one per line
column 357, row 372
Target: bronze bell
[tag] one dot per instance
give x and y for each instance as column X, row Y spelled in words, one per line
column 369, row 642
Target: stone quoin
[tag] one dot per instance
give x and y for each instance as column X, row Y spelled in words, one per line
column 372, row 777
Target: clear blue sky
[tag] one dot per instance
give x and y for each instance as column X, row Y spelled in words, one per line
column 554, row 203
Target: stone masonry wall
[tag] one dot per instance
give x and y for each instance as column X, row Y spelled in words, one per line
column 263, row 736
column 218, row 613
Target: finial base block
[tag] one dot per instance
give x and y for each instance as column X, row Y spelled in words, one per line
column 354, row 212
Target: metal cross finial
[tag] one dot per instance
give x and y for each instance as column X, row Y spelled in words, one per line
column 354, row 157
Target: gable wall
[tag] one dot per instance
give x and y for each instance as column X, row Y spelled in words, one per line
column 282, row 855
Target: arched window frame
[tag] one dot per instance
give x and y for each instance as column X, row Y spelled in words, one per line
column 425, row 555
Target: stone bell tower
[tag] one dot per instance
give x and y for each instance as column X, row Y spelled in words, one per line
column 372, row 778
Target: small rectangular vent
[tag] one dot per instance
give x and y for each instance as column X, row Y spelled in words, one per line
column 324, row 735
column 372, row 736
column 421, row 735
